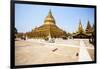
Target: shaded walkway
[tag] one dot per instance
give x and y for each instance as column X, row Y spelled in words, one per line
column 83, row 54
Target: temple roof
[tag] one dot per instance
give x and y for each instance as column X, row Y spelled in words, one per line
column 81, row 33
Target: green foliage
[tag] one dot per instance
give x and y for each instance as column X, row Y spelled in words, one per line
column 15, row 31
column 19, row 35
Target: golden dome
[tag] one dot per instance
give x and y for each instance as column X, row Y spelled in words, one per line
column 49, row 18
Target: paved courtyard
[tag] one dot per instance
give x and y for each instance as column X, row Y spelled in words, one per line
column 38, row 51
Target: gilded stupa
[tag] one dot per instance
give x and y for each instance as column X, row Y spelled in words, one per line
column 48, row 28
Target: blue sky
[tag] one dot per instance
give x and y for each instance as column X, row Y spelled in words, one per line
column 27, row 16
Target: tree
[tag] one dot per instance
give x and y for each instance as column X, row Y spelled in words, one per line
column 15, row 30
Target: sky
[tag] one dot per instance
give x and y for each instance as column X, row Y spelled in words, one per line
column 28, row 16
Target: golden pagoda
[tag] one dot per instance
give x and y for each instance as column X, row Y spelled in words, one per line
column 48, row 28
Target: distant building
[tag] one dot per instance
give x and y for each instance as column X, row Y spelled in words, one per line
column 81, row 33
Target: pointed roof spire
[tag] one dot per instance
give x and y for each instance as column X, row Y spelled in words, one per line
column 50, row 14
column 80, row 28
column 88, row 28
column 80, row 25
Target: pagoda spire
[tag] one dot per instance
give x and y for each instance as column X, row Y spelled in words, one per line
column 50, row 13
column 88, row 28
column 80, row 28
